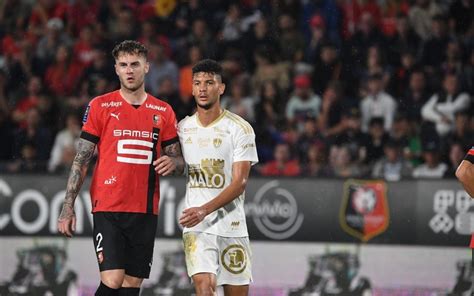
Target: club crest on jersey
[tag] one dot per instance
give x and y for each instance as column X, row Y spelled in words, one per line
column 364, row 211
column 217, row 142
column 156, row 119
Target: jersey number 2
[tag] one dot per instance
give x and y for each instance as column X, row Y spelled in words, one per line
column 136, row 154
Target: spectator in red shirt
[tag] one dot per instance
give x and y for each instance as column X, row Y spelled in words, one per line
column 28, row 102
column 62, row 76
column 283, row 164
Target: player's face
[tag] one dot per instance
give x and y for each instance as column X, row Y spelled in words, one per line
column 131, row 70
column 207, row 89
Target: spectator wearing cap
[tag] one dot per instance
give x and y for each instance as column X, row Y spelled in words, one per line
column 377, row 103
column 318, row 37
column 441, row 107
column 432, row 167
column 392, row 166
column 303, row 103
column 54, row 38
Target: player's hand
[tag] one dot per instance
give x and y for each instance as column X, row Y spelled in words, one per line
column 164, row 165
column 67, row 220
column 192, row 216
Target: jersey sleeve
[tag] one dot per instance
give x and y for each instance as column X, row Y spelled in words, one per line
column 169, row 133
column 245, row 148
column 92, row 126
column 470, row 155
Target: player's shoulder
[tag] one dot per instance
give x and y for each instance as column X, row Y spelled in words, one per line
column 111, row 99
column 237, row 123
column 187, row 121
column 157, row 104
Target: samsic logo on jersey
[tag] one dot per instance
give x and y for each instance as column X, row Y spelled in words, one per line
column 364, row 211
column 208, row 174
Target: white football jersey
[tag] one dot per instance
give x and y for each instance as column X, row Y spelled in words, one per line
column 209, row 153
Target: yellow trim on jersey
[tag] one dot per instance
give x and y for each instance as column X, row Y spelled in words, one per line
column 241, row 122
column 213, row 122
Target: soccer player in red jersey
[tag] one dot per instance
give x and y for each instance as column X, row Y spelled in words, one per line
column 465, row 174
column 136, row 139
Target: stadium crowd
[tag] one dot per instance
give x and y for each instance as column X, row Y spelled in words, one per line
column 333, row 88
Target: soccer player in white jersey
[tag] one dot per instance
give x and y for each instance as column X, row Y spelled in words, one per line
column 219, row 149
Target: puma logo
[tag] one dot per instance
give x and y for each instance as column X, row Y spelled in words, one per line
column 115, row 115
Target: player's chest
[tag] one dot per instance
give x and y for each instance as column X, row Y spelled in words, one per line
column 198, row 142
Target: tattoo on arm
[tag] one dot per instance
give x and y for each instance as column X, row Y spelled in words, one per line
column 76, row 175
column 174, row 151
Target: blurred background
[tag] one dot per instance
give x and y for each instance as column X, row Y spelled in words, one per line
column 362, row 111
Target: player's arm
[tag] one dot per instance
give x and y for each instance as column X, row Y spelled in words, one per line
column 171, row 162
column 465, row 174
column 240, row 175
column 67, row 218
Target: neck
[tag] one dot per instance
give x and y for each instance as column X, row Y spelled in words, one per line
column 207, row 116
column 136, row 97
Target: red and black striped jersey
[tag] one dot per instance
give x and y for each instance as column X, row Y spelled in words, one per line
column 129, row 138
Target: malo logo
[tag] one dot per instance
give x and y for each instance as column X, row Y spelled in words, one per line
column 364, row 211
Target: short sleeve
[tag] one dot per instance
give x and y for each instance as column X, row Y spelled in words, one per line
column 169, row 132
column 245, row 148
column 92, row 126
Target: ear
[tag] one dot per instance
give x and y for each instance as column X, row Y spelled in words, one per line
column 221, row 88
column 147, row 67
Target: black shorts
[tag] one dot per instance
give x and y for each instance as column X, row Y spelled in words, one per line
column 125, row 241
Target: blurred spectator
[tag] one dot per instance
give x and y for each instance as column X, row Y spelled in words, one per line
column 343, row 162
column 461, row 132
column 308, row 137
column 442, row 106
column 352, row 136
column 292, row 44
column 404, row 132
column 160, row 68
column 420, row 15
column 261, row 37
column 317, row 39
column 83, row 49
column 201, row 36
column 62, row 76
column 49, row 44
column 303, row 103
column 35, row 135
column 65, row 145
column 186, row 73
column 393, row 166
column 377, row 103
column 121, row 24
column 377, row 140
column 31, row 99
column 375, row 65
column 283, row 164
column 453, row 62
column 433, row 52
column 327, row 67
column 467, row 78
column 455, row 156
column 83, row 13
column 28, row 161
column 99, row 72
column 6, row 134
column 461, row 13
column 330, row 117
column 315, row 164
column 403, row 73
column 404, row 40
column 239, row 101
column 432, row 167
column 268, row 69
column 416, row 95
column 45, row 10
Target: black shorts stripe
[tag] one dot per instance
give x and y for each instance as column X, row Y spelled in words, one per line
column 169, row 142
column 90, row 137
column 152, row 175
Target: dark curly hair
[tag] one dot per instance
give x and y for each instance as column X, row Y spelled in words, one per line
column 129, row 47
column 208, row 66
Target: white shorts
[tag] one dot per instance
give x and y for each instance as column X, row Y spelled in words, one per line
column 229, row 258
